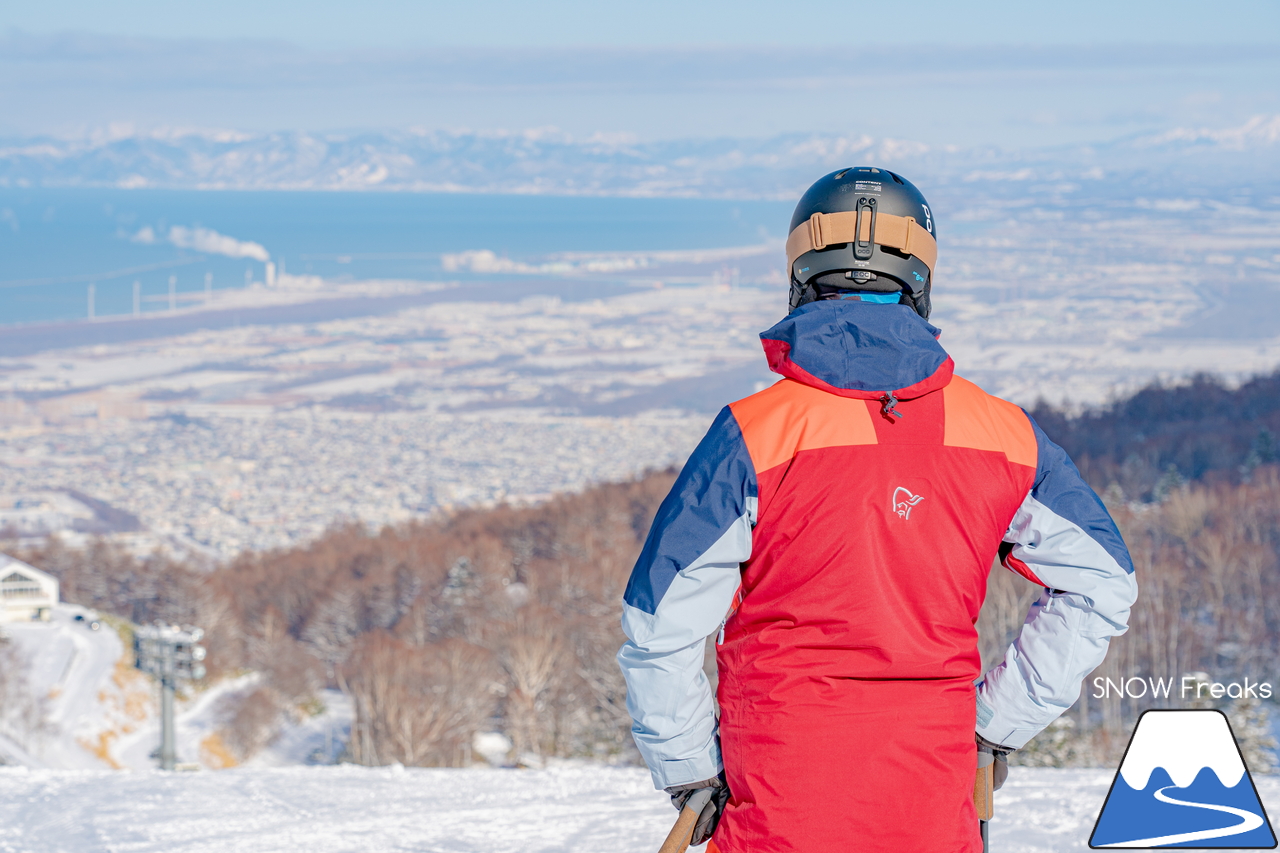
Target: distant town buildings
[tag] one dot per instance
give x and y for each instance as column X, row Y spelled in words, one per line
column 262, row 436
column 259, row 437
column 216, row 485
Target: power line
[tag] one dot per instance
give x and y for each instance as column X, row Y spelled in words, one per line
column 74, row 279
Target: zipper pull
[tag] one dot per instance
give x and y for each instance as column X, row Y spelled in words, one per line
column 720, row 637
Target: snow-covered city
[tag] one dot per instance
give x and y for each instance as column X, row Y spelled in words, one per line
column 257, row 436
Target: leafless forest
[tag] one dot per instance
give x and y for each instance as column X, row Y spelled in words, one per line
column 501, row 619
column 507, row 619
column 1207, row 559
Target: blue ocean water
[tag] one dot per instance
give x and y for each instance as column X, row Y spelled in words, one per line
column 54, row 243
column 1130, row 815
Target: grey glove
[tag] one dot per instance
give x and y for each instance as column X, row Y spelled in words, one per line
column 1001, row 756
column 710, row 817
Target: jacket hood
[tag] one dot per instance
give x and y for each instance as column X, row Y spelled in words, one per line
column 858, row 349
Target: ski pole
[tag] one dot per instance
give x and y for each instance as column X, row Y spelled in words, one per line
column 984, row 793
column 682, row 833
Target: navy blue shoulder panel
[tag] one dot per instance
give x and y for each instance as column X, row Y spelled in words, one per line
column 708, row 497
column 1060, row 487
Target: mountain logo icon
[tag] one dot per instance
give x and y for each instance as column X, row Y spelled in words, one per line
column 1183, row 783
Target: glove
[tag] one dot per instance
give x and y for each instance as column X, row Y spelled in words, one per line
column 1000, row 771
column 710, row 817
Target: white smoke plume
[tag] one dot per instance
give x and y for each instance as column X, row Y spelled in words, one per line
column 211, row 242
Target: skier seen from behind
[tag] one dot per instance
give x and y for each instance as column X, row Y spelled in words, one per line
column 836, row 531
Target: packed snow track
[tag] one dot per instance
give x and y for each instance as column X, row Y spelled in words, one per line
column 570, row 809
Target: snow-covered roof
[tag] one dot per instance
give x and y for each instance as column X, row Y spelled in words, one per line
column 9, row 566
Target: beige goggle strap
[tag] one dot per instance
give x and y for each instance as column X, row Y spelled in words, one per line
column 835, row 229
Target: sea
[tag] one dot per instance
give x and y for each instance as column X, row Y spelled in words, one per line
column 67, row 252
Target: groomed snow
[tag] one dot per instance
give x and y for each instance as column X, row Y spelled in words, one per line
column 97, row 700
column 569, row 809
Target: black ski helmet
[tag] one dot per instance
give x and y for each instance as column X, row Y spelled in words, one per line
column 865, row 229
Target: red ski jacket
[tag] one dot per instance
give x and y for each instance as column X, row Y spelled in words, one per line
column 836, row 531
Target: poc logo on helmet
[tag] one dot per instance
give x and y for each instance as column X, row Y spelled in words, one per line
column 904, row 501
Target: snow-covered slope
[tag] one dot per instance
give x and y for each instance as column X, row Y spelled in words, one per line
column 195, row 724
column 316, row 740
column 570, row 809
column 101, row 713
column 93, row 695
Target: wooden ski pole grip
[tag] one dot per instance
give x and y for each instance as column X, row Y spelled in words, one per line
column 682, row 833
column 984, row 786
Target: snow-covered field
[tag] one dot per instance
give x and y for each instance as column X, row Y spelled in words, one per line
column 102, row 715
column 570, row 809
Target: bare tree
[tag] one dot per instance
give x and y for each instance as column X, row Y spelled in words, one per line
column 534, row 658
column 418, row 705
column 23, row 715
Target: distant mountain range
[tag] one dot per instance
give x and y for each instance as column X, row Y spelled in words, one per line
column 548, row 161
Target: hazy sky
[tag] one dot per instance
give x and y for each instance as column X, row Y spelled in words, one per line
column 558, row 23
column 995, row 73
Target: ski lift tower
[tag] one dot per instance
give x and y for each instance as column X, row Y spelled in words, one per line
column 169, row 653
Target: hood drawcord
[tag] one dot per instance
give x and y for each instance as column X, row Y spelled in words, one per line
column 888, row 404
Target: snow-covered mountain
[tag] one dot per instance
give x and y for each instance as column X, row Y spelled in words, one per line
column 1260, row 132
column 549, row 161
column 532, row 161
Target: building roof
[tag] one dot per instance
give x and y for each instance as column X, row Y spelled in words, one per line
column 10, row 566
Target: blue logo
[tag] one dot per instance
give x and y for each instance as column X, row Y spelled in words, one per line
column 918, row 276
column 1183, row 783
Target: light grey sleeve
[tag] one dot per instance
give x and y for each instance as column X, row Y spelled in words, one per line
column 668, row 694
column 1067, row 633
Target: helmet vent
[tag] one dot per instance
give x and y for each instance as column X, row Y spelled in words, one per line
column 840, row 174
column 896, row 178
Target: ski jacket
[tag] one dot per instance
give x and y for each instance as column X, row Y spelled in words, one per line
column 836, row 531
